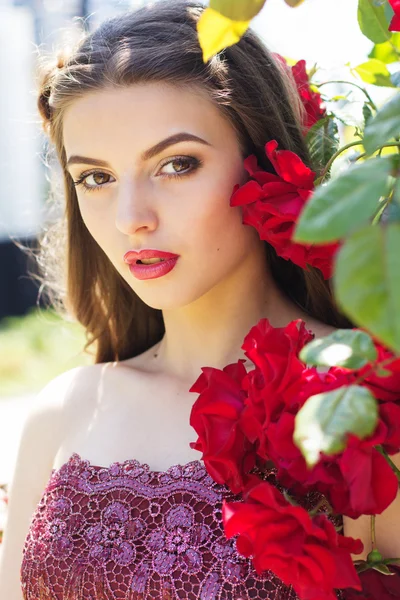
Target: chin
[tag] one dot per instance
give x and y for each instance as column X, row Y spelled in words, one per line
column 161, row 300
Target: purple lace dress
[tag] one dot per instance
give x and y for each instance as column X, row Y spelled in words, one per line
column 129, row 533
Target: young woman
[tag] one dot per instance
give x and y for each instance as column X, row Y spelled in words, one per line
column 109, row 500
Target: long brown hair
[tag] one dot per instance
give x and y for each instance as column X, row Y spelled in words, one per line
column 160, row 43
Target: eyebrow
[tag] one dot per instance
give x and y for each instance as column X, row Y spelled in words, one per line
column 183, row 136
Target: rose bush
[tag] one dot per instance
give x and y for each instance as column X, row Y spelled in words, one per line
column 247, row 419
column 332, row 432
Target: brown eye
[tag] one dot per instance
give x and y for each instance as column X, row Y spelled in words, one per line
column 179, row 162
column 179, row 166
column 98, row 178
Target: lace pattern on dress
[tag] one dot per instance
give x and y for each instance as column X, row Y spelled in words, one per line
column 127, row 532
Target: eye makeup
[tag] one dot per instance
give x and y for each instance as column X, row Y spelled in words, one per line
column 195, row 164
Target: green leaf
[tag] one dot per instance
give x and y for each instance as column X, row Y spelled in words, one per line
column 391, row 561
column 336, row 208
column 395, row 77
column 367, row 113
column 384, row 126
column 216, row 32
column 367, row 281
column 374, row 71
column 382, row 569
column 361, row 565
column 348, row 348
column 323, row 141
column 381, row 372
column 391, row 213
column 324, row 421
column 385, row 52
column 237, row 10
column 389, row 12
column 372, row 21
column 396, row 192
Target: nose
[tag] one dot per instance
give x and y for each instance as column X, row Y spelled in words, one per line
column 135, row 210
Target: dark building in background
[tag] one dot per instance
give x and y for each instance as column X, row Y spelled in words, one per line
column 20, row 169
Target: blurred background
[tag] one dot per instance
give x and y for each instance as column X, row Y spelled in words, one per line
column 35, row 343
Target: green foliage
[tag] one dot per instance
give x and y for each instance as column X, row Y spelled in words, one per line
column 367, row 114
column 350, row 348
column 359, row 207
column 35, row 348
column 395, row 77
column 389, row 51
column 384, row 126
column 373, row 21
column 376, row 72
column 396, row 192
column 322, row 141
column 367, row 281
column 389, row 12
column 335, row 209
column 324, row 421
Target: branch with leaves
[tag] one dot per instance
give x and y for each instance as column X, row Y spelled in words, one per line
column 354, row 415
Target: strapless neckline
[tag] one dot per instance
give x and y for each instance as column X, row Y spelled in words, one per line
column 114, row 466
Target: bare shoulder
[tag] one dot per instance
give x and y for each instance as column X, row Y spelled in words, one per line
column 45, row 426
column 77, row 389
column 99, row 415
column 53, row 399
column 41, row 435
column 45, row 423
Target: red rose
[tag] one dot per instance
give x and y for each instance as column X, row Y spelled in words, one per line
column 372, row 484
column 377, row 586
column 293, row 471
column 358, row 481
column 352, row 481
column 227, row 454
column 389, row 412
column 272, row 204
column 395, row 22
column 274, row 351
column 387, row 390
column 302, row 551
column 383, row 388
column 276, row 389
column 312, row 101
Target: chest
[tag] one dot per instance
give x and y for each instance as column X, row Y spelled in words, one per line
column 127, row 415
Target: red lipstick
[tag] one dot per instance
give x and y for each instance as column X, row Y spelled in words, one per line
column 150, row 271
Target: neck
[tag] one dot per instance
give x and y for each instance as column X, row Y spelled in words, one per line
column 210, row 331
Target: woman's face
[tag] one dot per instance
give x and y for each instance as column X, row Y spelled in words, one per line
column 176, row 200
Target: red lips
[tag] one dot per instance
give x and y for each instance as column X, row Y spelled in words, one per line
column 133, row 256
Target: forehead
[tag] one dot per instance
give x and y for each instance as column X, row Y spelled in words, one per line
column 142, row 114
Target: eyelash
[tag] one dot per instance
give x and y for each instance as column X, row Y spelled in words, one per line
column 195, row 162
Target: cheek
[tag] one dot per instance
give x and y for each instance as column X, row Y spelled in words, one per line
column 218, row 227
column 94, row 223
